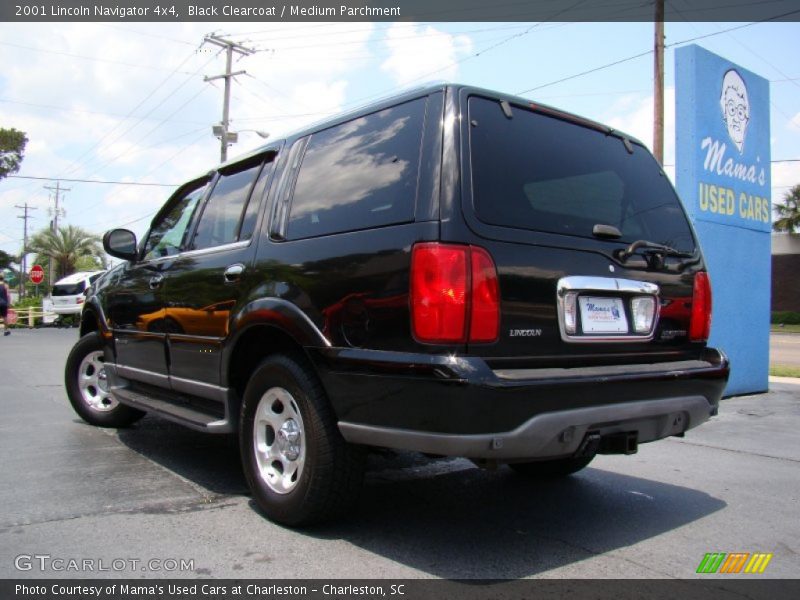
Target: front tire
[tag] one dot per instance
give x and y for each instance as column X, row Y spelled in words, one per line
column 552, row 469
column 87, row 386
column 298, row 467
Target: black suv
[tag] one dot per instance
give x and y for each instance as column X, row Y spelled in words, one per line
column 451, row 271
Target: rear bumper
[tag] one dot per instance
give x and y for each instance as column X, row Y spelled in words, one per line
column 458, row 406
column 547, row 435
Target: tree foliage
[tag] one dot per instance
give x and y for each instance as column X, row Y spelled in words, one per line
column 5, row 260
column 66, row 247
column 788, row 211
column 12, row 150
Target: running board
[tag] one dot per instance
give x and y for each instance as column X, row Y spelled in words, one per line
column 178, row 413
column 195, row 412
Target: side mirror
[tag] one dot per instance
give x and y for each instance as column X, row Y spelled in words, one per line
column 120, row 243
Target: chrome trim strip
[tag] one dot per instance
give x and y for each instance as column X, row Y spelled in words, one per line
column 605, row 284
column 628, row 288
column 142, row 375
column 213, row 249
column 201, row 389
column 201, row 339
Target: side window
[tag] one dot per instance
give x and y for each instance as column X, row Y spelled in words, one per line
column 167, row 237
column 222, row 214
column 251, row 212
column 360, row 174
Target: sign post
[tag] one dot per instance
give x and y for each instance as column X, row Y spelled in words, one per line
column 36, row 276
column 722, row 170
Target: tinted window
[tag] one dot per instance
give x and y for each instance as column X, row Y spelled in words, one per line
column 538, row 172
column 360, row 174
column 250, row 214
column 222, row 214
column 69, row 289
column 167, row 236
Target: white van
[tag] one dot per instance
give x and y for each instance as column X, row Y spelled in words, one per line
column 68, row 294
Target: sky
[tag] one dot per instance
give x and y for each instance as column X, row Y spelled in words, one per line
column 127, row 102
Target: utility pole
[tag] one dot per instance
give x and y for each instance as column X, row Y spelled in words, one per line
column 23, row 260
column 57, row 189
column 658, row 92
column 221, row 130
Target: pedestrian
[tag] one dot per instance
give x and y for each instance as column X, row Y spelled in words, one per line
column 5, row 300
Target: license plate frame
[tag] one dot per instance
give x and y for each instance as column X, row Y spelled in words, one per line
column 603, row 315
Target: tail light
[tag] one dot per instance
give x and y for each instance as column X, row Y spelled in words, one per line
column 484, row 321
column 700, row 324
column 454, row 294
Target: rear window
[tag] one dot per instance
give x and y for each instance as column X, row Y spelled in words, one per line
column 538, row 172
column 69, row 289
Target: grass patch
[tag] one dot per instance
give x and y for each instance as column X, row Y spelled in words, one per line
column 785, row 328
column 785, row 316
column 784, row 371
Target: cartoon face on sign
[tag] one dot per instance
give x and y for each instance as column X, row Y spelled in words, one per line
column 735, row 107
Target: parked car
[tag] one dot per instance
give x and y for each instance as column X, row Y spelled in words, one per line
column 452, row 271
column 69, row 294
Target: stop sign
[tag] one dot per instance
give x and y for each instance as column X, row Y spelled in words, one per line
column 37, row 274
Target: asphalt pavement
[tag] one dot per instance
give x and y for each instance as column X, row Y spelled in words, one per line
column 158, row 493
column 784, row 349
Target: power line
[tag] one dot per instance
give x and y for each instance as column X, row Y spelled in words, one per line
column 91, row 180
column 143, row 117
column 83, row 110
column 129, row 151
column 635, row 56
column 160, row 166
column 464, row 59
column 780, row 160
column 84, row 57
column 435, row 33
column 581, row 74
column 152, row 35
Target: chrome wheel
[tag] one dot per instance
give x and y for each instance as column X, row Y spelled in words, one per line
column 279, row 441
column 93, row 384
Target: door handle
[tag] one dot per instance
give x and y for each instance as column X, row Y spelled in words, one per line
column 156, row 281
column 234, row 273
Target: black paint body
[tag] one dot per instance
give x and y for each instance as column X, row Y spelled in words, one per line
column 343, row 301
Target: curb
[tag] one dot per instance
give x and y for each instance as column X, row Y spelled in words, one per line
column 789, row 380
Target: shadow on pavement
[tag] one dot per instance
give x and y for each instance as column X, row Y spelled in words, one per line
column 454, row 521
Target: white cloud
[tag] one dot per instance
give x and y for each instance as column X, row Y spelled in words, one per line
column 633, row 114
column 291, row 81
column 423, row 52
column 784, row 176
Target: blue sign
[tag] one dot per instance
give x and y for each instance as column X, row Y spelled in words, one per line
column 722, row 168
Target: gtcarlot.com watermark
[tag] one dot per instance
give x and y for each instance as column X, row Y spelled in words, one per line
column 63, row 564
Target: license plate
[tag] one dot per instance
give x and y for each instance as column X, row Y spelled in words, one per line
column 602, row 315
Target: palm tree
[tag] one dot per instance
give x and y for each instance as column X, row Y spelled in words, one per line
column 65, row 247
column 789, row 211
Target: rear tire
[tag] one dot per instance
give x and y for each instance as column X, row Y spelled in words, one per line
column 298, row 467
column 552, row 469
column 87, row 386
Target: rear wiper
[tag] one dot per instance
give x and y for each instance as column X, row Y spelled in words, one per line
column 651, row 248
